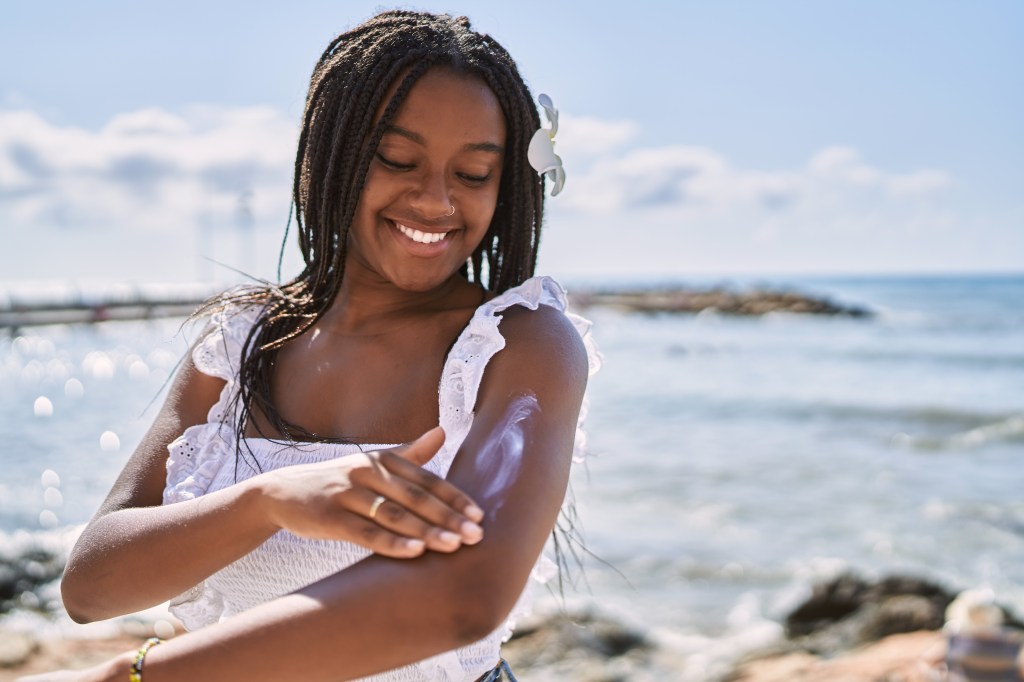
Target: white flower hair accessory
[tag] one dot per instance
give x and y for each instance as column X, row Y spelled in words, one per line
column 541, row 152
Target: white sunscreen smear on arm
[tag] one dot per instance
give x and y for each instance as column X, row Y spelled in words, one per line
column 498, row 463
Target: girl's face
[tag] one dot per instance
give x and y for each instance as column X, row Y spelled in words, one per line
column 443, row 151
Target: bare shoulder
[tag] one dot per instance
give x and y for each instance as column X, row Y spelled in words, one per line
column 542, row 348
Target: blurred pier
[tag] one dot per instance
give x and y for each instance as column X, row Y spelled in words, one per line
column 45, row 304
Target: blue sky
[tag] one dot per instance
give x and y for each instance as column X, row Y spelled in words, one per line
column 137, row 141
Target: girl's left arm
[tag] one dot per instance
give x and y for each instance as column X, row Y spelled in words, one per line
column 383, row 613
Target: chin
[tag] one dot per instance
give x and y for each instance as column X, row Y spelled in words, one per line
column 422, row 283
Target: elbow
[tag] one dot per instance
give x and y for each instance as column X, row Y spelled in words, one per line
column 80, row 599
column 80, row 618
column 74, row 604
column 77, row 614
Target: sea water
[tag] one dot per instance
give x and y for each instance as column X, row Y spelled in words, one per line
column 733, row 461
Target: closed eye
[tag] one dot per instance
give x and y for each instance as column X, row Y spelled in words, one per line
column 475, row 179
column 394, row 165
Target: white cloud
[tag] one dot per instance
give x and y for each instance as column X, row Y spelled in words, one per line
column 152, row 169
column 691, row 182
column 153, row 177
column 583, row 137
column 145, row 170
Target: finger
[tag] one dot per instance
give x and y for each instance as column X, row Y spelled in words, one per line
column 450, row 495
column 423, row 449
column 401, row 521
column 431, row 498
column 380, row 540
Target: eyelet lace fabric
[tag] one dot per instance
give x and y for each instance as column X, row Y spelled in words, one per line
column 203, row 459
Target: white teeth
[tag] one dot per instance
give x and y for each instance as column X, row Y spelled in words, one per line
column 421, row 237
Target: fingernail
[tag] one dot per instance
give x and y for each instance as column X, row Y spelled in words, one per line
column 449, row 538
column 471, row 530
column 474, row 512
column 414, row 545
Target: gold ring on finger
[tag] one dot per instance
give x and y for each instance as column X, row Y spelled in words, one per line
column 376, row 505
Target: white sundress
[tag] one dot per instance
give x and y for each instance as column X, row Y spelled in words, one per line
column 203, row 460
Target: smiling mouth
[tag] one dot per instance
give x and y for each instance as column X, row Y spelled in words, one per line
column 421, row 237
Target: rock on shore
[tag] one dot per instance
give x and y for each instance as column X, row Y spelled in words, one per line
column 854, row 630
column 22, row 576
column 587, row 647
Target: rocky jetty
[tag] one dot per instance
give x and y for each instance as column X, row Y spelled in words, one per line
column 757, row 301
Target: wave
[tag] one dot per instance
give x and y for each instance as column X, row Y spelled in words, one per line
column 927, row 428
column 1008, row 430
column 986, row 360
column 962, row 420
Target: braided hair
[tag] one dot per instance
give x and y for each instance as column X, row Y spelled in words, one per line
column 337, row 143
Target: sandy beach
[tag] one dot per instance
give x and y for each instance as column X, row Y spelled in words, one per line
column 848, row 629
column 899, row 658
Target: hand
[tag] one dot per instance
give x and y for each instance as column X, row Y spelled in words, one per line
column 112, row 670
column 341, row 500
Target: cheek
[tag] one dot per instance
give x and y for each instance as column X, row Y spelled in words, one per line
column 376, row 190
column 486, row 205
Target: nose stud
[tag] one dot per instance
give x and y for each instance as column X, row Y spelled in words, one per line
column 452, row 212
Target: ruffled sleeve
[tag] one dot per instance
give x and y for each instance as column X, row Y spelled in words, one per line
column 198, row 454
column 482, row 339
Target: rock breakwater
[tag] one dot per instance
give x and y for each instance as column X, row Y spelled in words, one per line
column 758, row 301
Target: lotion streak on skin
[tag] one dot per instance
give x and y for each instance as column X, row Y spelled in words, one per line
column 501, row 456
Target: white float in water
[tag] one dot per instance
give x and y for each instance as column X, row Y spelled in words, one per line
column 138, row 370
column 109, row 442
column 47, row 519
column 43, row 407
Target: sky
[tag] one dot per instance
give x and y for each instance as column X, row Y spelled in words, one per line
column 153, row 142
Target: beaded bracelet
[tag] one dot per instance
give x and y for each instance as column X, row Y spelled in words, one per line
column 135, row 672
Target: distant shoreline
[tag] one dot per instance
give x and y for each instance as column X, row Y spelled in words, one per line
column 75, row 306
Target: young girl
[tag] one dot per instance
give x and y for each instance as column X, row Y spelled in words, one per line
column 272, row 502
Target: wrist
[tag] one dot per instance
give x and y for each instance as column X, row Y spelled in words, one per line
column 256, row 500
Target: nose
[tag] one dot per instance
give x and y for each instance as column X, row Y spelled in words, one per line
column 431, row 197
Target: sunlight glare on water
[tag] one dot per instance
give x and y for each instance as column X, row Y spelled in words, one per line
column 43, row 407
column 74, row 389
column 109, row 442
column 50, row 479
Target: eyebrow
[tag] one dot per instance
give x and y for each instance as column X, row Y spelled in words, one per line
column 418, row 139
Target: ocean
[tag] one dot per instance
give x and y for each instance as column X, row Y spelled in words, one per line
column 733, row 461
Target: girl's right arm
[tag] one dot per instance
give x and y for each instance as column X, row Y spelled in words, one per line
column 135, row 553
